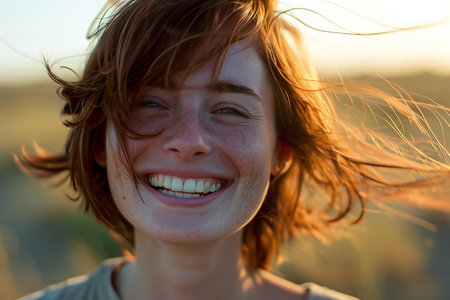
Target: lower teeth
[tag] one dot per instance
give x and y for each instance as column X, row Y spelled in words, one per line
column 178, row 194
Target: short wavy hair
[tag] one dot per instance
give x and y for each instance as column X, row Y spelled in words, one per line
column 140, row 43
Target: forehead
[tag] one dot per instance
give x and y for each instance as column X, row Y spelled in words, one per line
column 241, row 64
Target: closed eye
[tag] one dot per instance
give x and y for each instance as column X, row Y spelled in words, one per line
column 148, row 103
column 151, row 103
column 231, row 111
column 150, row 107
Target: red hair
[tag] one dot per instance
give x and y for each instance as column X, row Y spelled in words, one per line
column 144, row 42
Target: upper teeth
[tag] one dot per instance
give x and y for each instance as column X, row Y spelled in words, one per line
column 191, row 185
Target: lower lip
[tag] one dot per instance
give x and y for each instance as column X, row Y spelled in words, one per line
column 184, row 202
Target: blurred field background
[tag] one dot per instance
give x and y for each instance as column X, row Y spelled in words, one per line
column 44, row 237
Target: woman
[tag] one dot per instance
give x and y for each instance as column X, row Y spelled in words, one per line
column 193, row 130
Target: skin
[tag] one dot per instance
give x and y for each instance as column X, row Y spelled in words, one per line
column 193, row 251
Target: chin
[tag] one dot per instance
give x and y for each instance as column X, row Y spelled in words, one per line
column 186, row 231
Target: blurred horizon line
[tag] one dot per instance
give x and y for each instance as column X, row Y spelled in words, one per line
column 43, row 78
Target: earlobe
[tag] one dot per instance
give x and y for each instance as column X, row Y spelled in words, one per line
column 100, row 158
column 283, row 159
column 99, row 149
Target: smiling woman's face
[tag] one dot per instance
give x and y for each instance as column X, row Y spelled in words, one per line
column 204, row 172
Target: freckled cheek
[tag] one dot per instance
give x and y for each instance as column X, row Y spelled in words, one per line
column 119, row 179
column 250, row 153
column 250, row 149
column 246, row 144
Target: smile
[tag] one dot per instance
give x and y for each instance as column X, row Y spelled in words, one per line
column 184, row 187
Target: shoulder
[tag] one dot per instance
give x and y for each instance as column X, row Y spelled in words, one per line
column 269, row 286
column 96, row 285
column 274, row 287
column 317, row 292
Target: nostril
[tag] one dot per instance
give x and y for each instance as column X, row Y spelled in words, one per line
column 187, row 139
column 187, row 149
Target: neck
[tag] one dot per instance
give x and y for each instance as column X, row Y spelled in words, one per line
column 162, row 270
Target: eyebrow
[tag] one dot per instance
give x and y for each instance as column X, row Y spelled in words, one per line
column 228, row 87
column 225, row 87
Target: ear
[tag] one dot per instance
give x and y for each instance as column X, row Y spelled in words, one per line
column 283, row 159
column 100, row 157
column 99, row 149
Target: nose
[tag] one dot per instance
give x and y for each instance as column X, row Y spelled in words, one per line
column 186, row 138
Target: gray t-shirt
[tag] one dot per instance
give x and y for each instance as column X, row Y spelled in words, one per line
column 98, row 286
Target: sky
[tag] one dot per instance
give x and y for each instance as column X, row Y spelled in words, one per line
column 31, row 30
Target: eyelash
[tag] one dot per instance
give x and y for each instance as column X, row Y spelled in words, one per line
column 157, row 103
column 150, row 102
column 232, row 111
